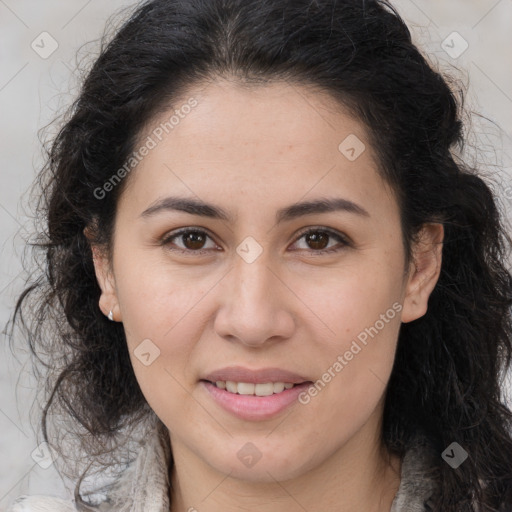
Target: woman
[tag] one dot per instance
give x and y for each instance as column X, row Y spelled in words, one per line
column 270, row 282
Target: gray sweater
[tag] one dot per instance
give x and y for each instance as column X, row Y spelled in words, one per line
column 144, row 485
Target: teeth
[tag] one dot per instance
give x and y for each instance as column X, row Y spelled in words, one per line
column 247, row 388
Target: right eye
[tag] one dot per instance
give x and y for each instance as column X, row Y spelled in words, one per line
column 193, row 241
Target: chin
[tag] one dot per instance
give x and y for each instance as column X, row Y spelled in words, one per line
column 252, row 465
column 264, row 473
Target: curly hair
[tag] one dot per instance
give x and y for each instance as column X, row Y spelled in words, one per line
column 449, row 365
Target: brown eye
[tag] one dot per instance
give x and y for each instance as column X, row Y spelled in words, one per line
column 192, row 240
column 317, row 240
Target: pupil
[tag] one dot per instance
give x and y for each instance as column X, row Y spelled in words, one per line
column 314, row 238
column 194, row 238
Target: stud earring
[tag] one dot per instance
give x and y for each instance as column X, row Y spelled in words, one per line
column 111, row 316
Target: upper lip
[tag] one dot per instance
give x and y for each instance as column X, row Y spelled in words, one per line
column 261, row 376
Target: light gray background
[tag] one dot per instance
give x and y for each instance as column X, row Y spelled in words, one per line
column 33, row 90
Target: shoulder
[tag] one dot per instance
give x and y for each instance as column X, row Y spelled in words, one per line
column 39, row 503
column 143, row 482
column 420, row 477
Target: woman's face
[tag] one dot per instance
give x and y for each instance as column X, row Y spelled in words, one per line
column 251, row 289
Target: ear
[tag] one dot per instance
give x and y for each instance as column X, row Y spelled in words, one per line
column 105, row 277
column 424, row 271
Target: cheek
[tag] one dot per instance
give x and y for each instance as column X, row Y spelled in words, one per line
column 358, row 299
column 362, row 312
column 161, row 321
column 157, row 301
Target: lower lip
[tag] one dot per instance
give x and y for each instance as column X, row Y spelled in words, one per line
column 254, row 408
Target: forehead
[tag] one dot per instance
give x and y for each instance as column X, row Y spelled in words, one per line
column 276, row 140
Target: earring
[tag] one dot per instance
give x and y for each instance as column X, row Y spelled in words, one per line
column 111, row 316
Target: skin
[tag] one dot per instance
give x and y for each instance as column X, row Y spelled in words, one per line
column 252, row 151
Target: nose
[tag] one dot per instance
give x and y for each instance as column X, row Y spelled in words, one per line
column 256, row 307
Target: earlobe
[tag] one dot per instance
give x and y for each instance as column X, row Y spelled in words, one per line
column 424, row 271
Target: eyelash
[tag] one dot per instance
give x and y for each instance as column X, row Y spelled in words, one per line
column 340, row 238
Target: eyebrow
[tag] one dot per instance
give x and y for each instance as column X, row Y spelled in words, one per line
column 197, row 207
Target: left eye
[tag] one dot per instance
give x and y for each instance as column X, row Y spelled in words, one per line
column 319, row 237
column 193, row 240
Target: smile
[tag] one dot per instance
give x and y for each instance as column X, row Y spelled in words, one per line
column 249, row 405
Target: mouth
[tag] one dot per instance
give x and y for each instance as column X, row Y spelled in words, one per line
column 254, row 401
